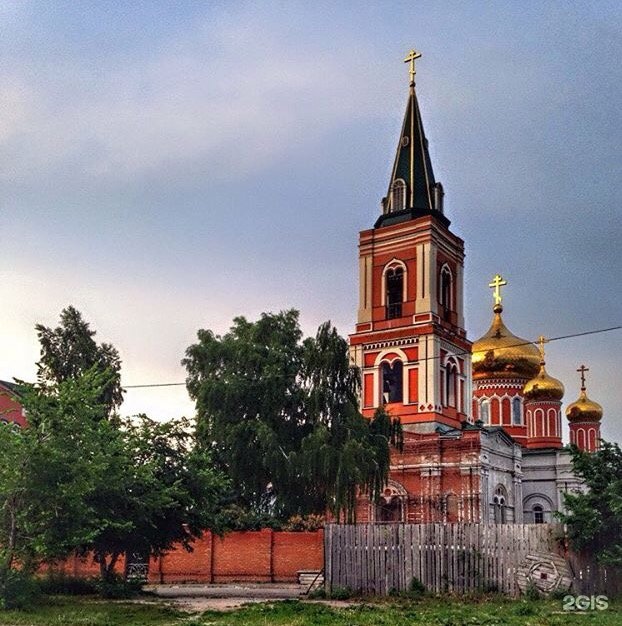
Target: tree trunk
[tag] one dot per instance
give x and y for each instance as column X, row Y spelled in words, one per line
column 106, row 568
column 9, row 553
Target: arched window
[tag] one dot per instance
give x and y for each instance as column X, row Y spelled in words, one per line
column 517, row 418
column 444, row 291
column 484, row 411
column 451, row 376
column 538, row 514
column 392, row 376
column 395, row 292
column 398, row 195
column 499, row 502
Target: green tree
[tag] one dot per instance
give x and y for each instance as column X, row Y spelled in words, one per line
column 70, row 350
column 47, row 473
column 281, row 416
column 249, row 402
column 594, row 517
column 156, row 489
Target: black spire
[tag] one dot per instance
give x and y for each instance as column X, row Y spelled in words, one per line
column 413, row 190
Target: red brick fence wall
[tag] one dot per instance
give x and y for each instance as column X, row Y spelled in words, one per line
column 249, row 556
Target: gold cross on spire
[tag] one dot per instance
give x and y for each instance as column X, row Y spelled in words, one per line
column 542, row 340
column 583, row 369
column 496, row 284
column 411, row 57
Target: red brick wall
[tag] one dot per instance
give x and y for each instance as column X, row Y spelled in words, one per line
column 251, row 556
column 296, row 551
column 243, row 556
column 10, row 408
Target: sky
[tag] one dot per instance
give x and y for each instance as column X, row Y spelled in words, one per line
column 167, row 166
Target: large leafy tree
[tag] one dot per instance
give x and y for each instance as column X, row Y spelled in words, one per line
column 48, row 471
column 72, row 480
column 157, row 489
column 594, row 516
column 70, row 350
column 281, row 416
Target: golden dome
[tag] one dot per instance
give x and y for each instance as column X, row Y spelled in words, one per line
column 500, row 354
column 544, row 387
column 584, row 409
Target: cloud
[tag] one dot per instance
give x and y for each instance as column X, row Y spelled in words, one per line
column 229, row 95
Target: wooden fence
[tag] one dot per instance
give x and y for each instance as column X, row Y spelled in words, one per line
column 455, row 558
column 591, row 578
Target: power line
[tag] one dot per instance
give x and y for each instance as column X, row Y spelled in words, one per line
column 153, row 385
column 429, row 358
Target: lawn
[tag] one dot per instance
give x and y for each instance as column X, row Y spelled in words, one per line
column 69, row 611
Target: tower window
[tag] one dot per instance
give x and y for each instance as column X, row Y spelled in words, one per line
column 516, row 412
column 392, row 387
column 398, row 195
column 395, row 291
column 445, row 292
column 538, row 514
column 450, row 384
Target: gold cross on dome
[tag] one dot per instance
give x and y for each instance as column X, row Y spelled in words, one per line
column 411, row 57
column 583, row 369
column 496, row 284
column 542, row 340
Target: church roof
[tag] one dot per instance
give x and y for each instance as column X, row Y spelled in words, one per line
column 14, row 387
column 412, row 171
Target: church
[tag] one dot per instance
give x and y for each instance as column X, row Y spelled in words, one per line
column 482, row 421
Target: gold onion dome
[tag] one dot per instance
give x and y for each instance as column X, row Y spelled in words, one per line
column 500, row 354
column 544, row 387
column 584, row 409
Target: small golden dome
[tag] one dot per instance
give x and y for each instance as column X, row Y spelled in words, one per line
column 584, row 409
column 544, row 387
column 500, row 354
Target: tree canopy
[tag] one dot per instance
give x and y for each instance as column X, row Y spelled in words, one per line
column 281, row 416
column 48, row 471
column 73, row 480
column 594, row 516
column 155, row 489
column 70, row 350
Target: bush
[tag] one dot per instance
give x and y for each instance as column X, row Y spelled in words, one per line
column 61, row 584
column 117, row 588
column 558, row 594
column 341, row 593
column 416, row 587
column 532, row 593
column 524, row 609
column 309, row 522
column 18, row 591
column 317, row 594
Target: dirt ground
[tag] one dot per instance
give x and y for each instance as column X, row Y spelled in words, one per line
column 198, row 598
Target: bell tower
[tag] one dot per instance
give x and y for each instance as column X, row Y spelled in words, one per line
column 410, row 342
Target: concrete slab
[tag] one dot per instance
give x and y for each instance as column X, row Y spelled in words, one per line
column 240, row 591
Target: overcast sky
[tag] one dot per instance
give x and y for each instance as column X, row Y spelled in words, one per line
column 165, row 167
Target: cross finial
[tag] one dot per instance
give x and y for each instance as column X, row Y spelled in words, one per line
column 411, row 57
column 583, row 369
column 542, row 340
column 496, row 284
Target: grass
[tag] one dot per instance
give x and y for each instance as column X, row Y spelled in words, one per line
column 86, row 611
column 489, row 611
column 426, row 612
